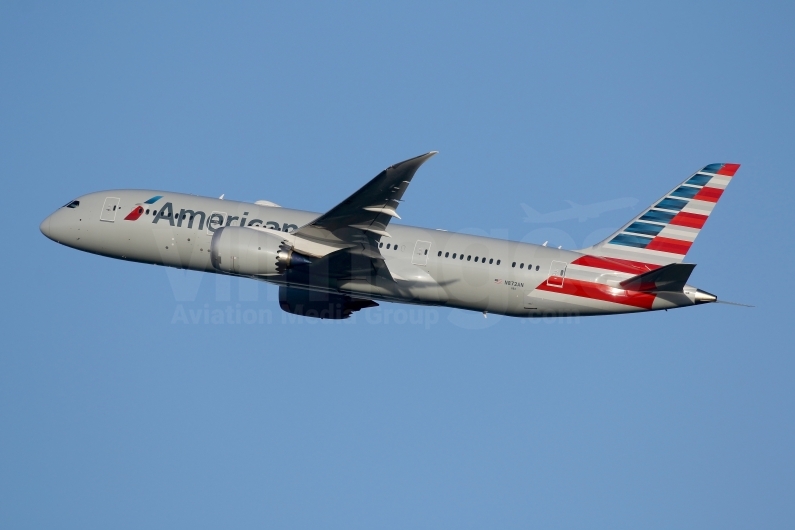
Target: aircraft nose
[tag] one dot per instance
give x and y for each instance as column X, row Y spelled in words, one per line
column 45, row 227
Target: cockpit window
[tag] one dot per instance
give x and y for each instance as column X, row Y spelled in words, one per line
column 73, row 204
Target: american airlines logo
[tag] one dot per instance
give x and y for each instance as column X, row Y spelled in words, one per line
column 139, row 210
column 199, row 218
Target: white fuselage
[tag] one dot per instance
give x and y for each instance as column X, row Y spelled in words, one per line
column 458, row 270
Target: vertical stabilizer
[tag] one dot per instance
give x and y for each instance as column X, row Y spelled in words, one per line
column 666, row 230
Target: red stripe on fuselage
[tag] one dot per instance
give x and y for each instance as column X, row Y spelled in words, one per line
column 134, row 214
column 615, row 264
column 728, row 170
column 708, row 194
column 600, row 291
column 691, row 220
column 665, row 244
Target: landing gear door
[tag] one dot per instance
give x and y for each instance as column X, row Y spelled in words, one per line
column 557, row 273
column 421, row 249
column 109, row 209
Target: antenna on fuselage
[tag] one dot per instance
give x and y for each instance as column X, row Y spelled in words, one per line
column 222, row 196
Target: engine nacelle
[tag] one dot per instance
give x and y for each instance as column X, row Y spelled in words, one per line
column 252, row 252
column 320, row 305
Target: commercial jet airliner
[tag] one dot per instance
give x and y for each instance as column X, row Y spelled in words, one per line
column 330, row 265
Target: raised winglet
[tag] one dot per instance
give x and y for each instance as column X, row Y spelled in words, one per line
column 369, row 209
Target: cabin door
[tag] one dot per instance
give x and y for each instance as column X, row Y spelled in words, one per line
column 557, row 273
column 109, row 209
column 420, row 256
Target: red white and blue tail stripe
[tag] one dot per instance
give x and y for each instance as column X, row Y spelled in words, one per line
column 664, row 233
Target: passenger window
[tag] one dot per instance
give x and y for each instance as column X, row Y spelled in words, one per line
column 461, row 257
column 476, row 259
column 537, row 267
column 521, row 265
column 387, row 245
column 439, row 254
column 529, row 266
column 381, row 245
column 491, row 261
column 513, row 264
column 453, row 255
column 426, row 252
column 446, row 254
column 498, row 262
column 469, row 258
column 147, row 211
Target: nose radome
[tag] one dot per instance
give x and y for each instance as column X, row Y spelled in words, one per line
column 45, row 227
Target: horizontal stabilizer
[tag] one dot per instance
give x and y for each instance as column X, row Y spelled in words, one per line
column 670, row 278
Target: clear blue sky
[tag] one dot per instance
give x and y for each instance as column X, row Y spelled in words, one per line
column 114, row 414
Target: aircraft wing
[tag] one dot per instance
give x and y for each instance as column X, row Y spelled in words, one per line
column 363, row 217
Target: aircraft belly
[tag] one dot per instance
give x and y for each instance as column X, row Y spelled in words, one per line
column 179, row 248
column 547, row 303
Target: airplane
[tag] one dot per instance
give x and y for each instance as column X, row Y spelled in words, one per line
column 577, row 211
column 350, row 258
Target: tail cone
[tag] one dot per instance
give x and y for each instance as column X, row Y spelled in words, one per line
column 703, row 297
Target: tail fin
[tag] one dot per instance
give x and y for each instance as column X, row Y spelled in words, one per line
column 665, row 231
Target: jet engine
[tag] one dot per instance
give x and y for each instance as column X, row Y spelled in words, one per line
column 319, row 304
column 252, row 252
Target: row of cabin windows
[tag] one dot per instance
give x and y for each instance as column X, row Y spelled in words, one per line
column 388, row 245
column 483, row 260
column 176, row 215
column 469, row 257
